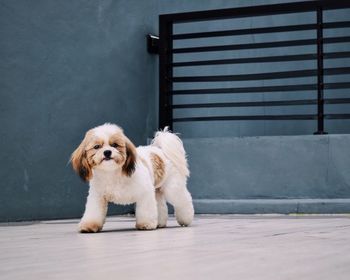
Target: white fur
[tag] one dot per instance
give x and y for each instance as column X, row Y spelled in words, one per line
column 109, row 184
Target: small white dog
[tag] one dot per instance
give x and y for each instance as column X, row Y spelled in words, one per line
column 120, row 173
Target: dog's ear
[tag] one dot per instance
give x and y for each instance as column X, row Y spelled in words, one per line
column 79, row 161
column 130, row 162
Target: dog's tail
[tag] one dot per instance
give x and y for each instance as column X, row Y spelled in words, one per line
column 173, row 148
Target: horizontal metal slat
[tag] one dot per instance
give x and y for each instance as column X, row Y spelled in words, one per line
column 262, row 103
column 290, row 43
column 337, row 101
column 334, row 55
column 336, row 71
column 264, row 89
column 337, row 116
column 333, row 40
column 336, row 85
column 246, row 104
column 262, row 76
column 297, row 57
column 236, row 32
column 248, row 118
column 302, row 87
column 279, row 58
column 276, row 44
column 246, row 77
column 262, row 30
column 336, row 24
column 263, row 10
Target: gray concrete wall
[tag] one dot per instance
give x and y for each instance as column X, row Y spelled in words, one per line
column 279, row 174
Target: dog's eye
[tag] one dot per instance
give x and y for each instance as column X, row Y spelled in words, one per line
column 114, row 145
column 96, row 147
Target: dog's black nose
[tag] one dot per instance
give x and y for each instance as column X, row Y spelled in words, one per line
column 107, row 153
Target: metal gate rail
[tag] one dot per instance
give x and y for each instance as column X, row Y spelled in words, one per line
column 166, row 63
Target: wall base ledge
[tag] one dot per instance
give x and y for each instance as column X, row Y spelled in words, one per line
column 272, row 206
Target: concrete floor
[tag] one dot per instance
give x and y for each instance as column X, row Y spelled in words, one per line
column 215, row 247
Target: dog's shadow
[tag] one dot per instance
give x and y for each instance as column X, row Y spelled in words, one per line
column 134, row 230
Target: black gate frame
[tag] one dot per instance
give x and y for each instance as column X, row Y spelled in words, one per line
column 166, row 64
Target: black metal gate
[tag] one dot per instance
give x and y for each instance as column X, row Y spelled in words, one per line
column 167, row 65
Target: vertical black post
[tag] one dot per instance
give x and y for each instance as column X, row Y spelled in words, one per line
column 320, row 84
column 165, row 72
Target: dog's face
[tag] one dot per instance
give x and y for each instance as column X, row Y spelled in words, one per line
column 106, row 148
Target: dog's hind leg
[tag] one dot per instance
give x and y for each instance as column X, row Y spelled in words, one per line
column 162, row 208
column 176, row 193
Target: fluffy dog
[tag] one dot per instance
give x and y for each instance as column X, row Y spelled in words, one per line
column 119, row 172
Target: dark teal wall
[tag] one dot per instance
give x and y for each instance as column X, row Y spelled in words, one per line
column 67, row 66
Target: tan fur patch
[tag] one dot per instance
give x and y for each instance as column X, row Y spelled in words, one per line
column 80, row 161
column 158, row 166
column 118, row 139
column 130, row 162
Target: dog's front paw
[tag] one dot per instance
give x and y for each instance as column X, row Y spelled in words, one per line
column 89, row 226
column 146, row 225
